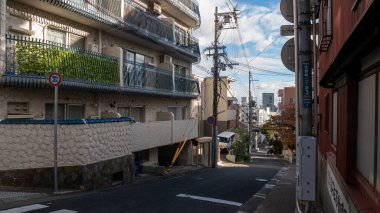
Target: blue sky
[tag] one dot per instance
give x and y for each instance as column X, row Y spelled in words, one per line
column 259, row 25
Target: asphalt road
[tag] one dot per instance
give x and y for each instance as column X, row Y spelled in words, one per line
column 208, row 190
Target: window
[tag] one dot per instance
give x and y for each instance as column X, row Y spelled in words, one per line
column 327, row 112
column 179, row 112
column 65, row 111
column 77, row 41
column 55, row 35
column 366, row 131
column 291, row 100
column 335, row 118
column 17, row 108
column 136, row 112
column 74, row 111
column 180, row 70
column 137, row 58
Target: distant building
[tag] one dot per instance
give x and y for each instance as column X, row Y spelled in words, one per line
column 287, row 98
column 268, row 101
column 228, row 109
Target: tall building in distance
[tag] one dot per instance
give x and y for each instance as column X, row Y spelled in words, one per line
column 268, row 101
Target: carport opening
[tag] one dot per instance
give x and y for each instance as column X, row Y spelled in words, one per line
column 117, row 177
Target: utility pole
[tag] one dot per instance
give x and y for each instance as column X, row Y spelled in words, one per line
column 219, row 26
column 305, row 77
column 304, row 60
column 250, row 112
column 215, row 96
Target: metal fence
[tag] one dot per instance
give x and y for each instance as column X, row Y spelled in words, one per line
column 145, row 77
column 32, row 57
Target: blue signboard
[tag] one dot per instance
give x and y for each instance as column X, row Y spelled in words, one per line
column 306, row 84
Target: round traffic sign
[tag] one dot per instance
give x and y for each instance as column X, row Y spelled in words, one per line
column 211, row 120
column 55, row 79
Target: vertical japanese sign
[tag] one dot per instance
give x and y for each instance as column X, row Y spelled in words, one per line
column 306, row 85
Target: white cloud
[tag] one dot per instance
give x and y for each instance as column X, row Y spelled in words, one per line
column 259, row 27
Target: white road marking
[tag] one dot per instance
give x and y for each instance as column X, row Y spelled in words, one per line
column 25, row 208
column 269, row 186
column 259, row 196
column 64, row 211
column 214, row 200
column 262, row 180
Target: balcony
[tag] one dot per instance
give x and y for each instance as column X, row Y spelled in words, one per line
column 148, row 79
column 30, row 61
column 186, row 10
column 157, row 29
column 135, row 21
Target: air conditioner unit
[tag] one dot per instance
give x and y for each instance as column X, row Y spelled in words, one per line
column 93, row 47
column 165, row 59
column 155, row 8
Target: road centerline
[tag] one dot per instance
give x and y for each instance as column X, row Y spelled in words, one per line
column 214, row 200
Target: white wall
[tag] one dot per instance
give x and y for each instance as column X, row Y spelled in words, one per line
column 156, row 134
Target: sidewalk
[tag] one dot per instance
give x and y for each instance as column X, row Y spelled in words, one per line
column 281, row 197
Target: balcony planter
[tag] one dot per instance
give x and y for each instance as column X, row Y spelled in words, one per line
column 32, row 57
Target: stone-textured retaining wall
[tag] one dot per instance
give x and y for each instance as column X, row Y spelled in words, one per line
column 92, row 176
column 26, row 146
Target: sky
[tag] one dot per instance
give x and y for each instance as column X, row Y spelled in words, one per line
column 259, row 33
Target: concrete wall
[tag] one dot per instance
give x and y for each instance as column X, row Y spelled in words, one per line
column 156, row 134
column 94, row 102
column 26, row 146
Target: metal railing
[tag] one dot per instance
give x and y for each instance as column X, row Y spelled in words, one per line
column 135, row 21
column 146, row 77
column 151, row 25
column 37, row 58
column 157, row 28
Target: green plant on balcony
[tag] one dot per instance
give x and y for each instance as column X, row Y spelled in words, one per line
column 41, row 58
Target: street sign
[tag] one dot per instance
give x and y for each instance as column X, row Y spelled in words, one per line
column 211, row 120
column 287, row 30
column 55, row 79
column 287, row 55
column 286, row 7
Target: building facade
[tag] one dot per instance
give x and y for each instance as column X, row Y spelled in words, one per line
column 348, row 136
column 268, row 101
column 117, row 58
column 287, row 98
column 228, row 109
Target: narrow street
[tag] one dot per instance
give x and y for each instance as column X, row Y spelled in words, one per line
column 206, row 190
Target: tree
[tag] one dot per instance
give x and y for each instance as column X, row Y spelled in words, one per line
column 240, row 146
column 284, row 126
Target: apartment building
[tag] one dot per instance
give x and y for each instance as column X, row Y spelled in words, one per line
column 118, row 58
column 349, row 45
column 287, row 98
column 228, row 110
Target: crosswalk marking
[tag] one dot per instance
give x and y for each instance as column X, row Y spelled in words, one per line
column 25, row 208
column 214, row 200
column 64, row 211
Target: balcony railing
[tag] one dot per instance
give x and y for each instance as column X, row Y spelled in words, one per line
column 29, row 62
column 145, row 77
column 135, row 21
column 154, row 27
column 36, row 58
